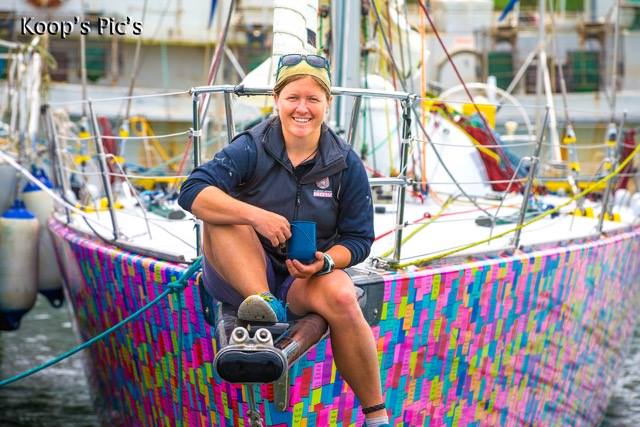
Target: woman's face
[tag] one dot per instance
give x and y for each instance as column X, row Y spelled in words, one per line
column 302, row 105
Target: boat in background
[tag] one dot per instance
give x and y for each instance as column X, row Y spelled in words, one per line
column 489, row 306
column 27, row 258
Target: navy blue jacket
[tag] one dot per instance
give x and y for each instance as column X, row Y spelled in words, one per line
column 332, row 189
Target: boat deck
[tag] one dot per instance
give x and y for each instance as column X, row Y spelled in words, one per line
column 452, row 233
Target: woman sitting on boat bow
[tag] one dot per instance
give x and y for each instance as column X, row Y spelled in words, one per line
column 292, row 167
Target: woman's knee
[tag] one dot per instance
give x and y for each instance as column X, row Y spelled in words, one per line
column 338, row 295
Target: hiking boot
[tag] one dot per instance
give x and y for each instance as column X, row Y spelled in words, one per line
column 262, row 308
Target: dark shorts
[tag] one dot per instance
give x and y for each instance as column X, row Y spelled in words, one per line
column 221, row 290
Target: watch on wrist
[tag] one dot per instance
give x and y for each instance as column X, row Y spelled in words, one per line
column 328, row 266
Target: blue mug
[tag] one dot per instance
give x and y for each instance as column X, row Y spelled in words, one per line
column 302, row 244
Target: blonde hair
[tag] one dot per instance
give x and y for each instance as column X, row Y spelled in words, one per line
column 282, row 83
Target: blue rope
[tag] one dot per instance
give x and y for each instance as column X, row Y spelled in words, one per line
column 180, row 373
column 178, row 286
column 173, row 287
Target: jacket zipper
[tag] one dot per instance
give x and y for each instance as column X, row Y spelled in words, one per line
column 297, row 204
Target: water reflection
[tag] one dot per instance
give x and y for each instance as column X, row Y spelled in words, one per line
column 56, row 396
column 624, row 407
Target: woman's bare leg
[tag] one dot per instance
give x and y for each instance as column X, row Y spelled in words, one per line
column 333, row 297
column 235, row 252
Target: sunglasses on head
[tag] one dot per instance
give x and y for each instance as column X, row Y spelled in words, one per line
column 295, row 58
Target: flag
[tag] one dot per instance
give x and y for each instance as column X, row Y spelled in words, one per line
column 508, row 8
column 212, row 12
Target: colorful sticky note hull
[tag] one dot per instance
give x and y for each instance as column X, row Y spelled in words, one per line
column 530, row 339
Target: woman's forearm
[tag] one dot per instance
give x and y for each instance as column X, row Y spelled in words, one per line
column 341, row 255
column 214, row 206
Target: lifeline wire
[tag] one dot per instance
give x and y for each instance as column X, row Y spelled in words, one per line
column 418, row 118
column 588, row 190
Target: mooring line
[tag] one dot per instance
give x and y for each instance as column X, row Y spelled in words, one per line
column 174, row 287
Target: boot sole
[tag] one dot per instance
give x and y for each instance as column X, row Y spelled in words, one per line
column 255, row 309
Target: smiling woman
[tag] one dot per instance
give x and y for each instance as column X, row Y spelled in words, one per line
column 302, row 105
column 302, row 96
column 292, row 167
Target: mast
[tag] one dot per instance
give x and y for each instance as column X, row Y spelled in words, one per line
column 345, row 30
column 614, row 62
column 83, row 63
column 295, row 28
column 544, row 80
column 611, row 135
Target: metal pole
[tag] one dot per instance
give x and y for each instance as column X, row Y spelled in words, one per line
column 57, row 173
column 57, row 161
column 402, row 189
column 83, row 63
column 529, row 187
column 541, row 47
column 195, row 137
column 523, row 69
column 548, row 91
column 241, row 90
column 614, row 164
column 614, row 65
column 345, row 54
column 255, row 420
column 353, row 127
column 102, row 163
column 231, row 127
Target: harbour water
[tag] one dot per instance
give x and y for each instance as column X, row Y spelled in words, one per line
column 59, row 396
column 624, row 406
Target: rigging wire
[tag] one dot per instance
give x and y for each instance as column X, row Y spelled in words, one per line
column 421, row 227
column 213, row 72
column 563, row 83
column 455, row 69
column 216, row 61
column 85, row 217
column 395, row 71
column 136, row 66
column 428, row 215
column 420, row 125
column 423, row 91
column 588, row 190
column 461, row 247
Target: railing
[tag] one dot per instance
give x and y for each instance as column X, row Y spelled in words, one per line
column 87, row 143
column 405, row 98
column 402, row 181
